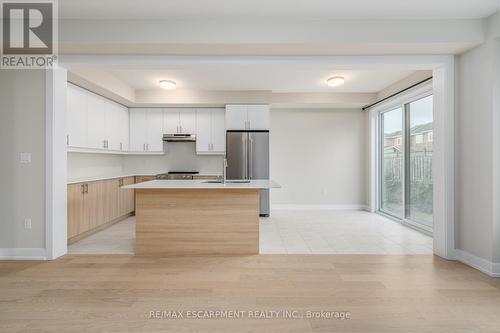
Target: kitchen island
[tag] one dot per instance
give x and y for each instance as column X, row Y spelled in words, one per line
column 189, row 217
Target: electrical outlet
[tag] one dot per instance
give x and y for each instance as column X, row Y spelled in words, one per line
column 25, row 158
column 27, row 223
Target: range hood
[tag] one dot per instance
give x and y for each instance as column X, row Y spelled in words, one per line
column 179, row 137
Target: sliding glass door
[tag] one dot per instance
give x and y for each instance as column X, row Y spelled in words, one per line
column 405, row 179
column 391, row 193
column 419, row 185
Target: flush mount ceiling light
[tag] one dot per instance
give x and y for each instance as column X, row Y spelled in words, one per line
column 167, row 84
column 335, row 81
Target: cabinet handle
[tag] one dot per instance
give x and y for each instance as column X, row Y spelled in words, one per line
column 144, row 146
column 121, row 145
column 67, row 139
column 82, row 189
column 86, row 188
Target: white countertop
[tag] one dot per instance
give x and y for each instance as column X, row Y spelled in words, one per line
column 200, row 184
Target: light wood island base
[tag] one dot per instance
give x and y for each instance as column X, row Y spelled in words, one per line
column 192, row 222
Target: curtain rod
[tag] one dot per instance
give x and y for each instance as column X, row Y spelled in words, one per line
column 395, row 94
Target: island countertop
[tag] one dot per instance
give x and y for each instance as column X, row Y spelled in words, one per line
column 202, row 184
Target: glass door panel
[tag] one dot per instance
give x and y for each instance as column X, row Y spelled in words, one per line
column 419, row 143
column 391, row 189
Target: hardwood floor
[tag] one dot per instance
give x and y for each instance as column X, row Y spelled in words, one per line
column 417, row 293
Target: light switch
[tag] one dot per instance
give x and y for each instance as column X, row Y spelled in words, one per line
column 25, row 158
column 27, row 223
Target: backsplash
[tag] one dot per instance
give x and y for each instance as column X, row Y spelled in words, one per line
column 82, row 165
column 179, row 157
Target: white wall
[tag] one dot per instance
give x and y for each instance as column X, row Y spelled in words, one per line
column 415, row 78
column 22, row 129
column 476, row 130
column 82, row 165
column 319, row 156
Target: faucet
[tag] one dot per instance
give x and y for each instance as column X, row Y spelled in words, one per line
column 224, row 166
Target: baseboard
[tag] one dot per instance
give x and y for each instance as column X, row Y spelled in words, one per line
column 23, row 254
column 485, row 266
column 318, row 207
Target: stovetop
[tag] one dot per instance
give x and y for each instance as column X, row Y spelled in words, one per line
column 187, row 175
column 180, row 172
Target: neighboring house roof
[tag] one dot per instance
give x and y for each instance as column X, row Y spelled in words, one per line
column 395, row 148
column 413, row 131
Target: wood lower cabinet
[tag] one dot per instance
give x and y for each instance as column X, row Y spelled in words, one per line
column 75, row 208
column 93, row 205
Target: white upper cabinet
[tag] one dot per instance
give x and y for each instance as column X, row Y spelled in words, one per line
column 210, row 131
column 258, row 117
column 178, row 121
column 171, row 121
column 124, row 135
column 138, row 128
column 146, row 130
column 247, row 117
column 187, row 121
column 154, row 133
column 236, row 117
column 219, row 131
column 203, row 131
column 95, row 122
column 76, row 117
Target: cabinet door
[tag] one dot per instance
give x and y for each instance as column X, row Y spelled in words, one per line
column 76, row 110
column 138, row 127
column 171, row 121
column 96, row 121
column 236, row 117
column 203, row 131
column 187, row 121
column 90, row 207
column 218, row 131
column 111, row 199
column 124, row 129
column 155, row 130
column 258, row 117
column 112, row 122
column 127, row 202
column 75, row 209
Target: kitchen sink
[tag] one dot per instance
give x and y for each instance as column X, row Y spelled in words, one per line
column 232, row 181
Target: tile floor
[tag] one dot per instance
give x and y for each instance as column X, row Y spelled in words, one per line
column 294, row 232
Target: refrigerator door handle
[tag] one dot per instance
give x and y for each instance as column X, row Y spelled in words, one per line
column 246, row 157
column 250, row 164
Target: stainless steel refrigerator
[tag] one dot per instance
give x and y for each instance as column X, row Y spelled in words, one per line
column 247, row 154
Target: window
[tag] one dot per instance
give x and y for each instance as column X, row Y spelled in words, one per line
column 405, row 179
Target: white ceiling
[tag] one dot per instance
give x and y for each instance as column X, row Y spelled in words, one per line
column 276, row 78
column 277, row 9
